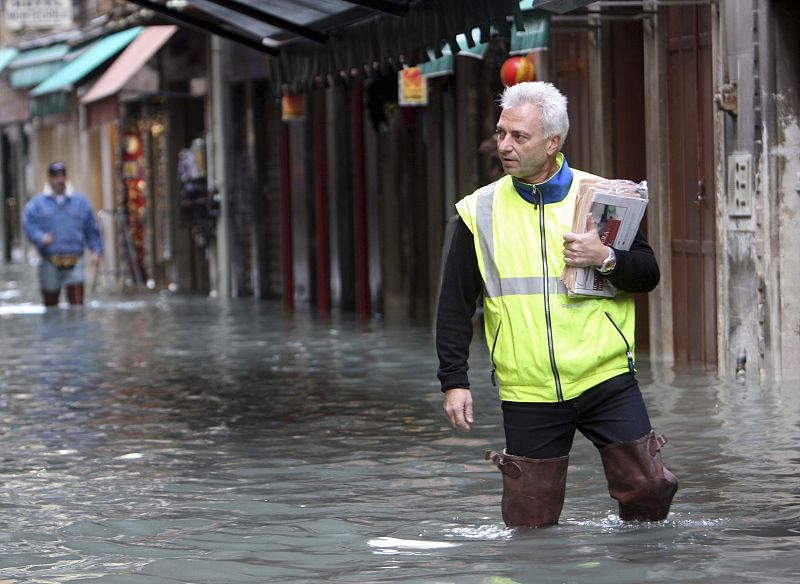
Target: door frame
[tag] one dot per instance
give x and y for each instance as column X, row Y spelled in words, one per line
column 662, row 330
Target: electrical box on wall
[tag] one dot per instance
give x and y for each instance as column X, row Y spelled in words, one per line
column 740, row 185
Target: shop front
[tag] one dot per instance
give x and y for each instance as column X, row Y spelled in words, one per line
column 148, row 109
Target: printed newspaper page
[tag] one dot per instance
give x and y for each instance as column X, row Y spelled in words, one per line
column 617, row 207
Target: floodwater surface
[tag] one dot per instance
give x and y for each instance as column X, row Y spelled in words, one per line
column 162, row 439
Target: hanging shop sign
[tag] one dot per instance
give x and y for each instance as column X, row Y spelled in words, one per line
column 292, row 106
column 412, row 87
column 20, row 14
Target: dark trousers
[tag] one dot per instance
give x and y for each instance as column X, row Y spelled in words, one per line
column 612, row 411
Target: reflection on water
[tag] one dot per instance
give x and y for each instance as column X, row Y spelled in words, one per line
column 192, row 440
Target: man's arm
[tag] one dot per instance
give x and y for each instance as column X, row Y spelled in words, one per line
column 31, row 220
column 461, row 286
column 636, row 269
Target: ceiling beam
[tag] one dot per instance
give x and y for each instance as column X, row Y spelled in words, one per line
column 205, row 26
column 277, row 21
column 383, row 6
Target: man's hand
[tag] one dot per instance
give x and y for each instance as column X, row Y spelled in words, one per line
column 584, row 249
column 458, row 407
column 47, row 239
column 95, row 260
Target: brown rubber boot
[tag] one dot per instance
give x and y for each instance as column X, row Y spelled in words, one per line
column 533, row 489
column 50, row 298
column 638, row 479
column 75, row 294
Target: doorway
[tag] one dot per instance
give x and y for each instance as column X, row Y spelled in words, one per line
column 691, row 171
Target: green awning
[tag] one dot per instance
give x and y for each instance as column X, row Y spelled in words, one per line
column 98, row 53
column 41, row 55
column 536, row 35
column 6, row 56
column 445, row 64
column 30, row 68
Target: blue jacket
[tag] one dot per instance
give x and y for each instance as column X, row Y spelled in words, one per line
column 71, row 223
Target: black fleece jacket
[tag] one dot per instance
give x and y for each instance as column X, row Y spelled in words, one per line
column 636, row 271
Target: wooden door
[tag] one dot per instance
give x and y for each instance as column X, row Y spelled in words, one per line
column 629, row 150
column 691, row 178
column 570, row 54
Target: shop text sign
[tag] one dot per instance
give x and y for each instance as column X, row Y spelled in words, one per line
column 412, row 87
column 37, row 13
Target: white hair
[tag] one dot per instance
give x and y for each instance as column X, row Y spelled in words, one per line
column 551, row 102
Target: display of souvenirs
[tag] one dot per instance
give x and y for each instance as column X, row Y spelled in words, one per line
column 199, row 209
column 134, row 202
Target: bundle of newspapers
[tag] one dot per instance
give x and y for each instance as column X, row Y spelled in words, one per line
column 617, row 207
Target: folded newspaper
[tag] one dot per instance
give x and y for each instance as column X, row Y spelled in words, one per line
column 617, row 207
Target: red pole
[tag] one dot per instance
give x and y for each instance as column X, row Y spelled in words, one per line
column 321, row 206
column 360, row 202
column 286, row 218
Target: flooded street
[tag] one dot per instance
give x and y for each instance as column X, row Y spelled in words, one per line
column 164, row 439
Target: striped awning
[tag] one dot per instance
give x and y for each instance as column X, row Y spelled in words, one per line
column 129, row 62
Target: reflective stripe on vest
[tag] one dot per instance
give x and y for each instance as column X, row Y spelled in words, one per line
column 495, row 285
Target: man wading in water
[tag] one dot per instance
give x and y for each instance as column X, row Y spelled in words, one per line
column 562, row 364
column 60, row 223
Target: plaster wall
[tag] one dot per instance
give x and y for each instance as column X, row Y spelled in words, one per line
column 741, row 303
column 761, row 310
column 787, row 161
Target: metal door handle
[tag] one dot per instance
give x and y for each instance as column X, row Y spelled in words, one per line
column 700, row 196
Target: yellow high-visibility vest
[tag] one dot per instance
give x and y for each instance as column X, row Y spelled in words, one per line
column 544, row 345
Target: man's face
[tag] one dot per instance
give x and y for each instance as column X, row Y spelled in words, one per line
column 58, row 182
column 523, row 149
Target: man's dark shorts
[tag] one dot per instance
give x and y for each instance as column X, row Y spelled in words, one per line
column 612, row 411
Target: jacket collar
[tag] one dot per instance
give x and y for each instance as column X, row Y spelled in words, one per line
column 553, row 190
column 48, row 190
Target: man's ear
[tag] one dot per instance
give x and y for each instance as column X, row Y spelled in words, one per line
column 553, row 144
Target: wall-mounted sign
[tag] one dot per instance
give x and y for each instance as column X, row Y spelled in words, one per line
column 412, row 87
column 37, row 14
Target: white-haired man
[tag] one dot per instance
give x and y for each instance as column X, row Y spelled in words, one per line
column 562, row 364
